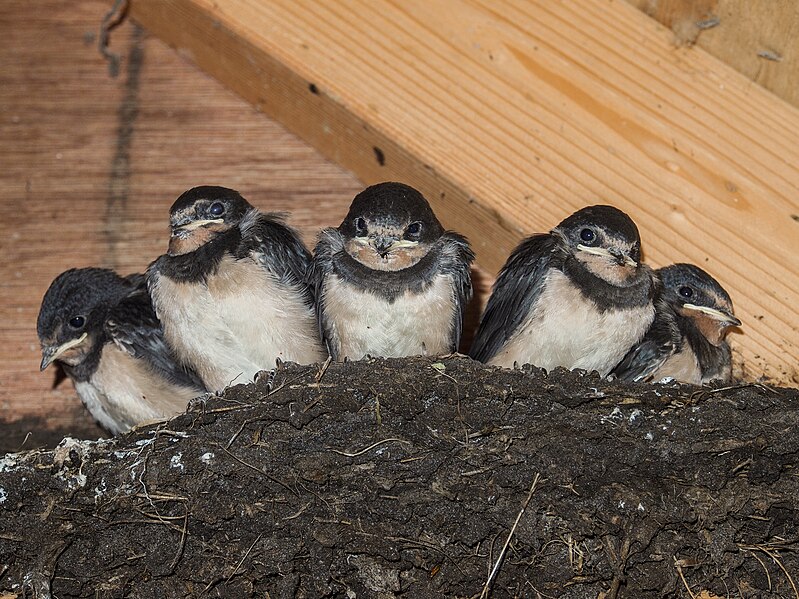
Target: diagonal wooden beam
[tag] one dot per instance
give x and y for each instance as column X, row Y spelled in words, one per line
column 510, row 114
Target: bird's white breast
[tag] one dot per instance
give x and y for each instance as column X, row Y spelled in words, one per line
column 236, row 324
column 566, row 329
column 366, row 323
column 682, row 366
column 124, row 392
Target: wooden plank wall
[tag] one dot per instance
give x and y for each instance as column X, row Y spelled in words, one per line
column 758, row 39
column 91, row 164
column 511, row 114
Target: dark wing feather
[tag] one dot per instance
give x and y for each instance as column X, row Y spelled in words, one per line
column 514, row 293
column 133, row 326
column 330, row 242
column 277, row 247
column 662, row 340
column 137, row 280
column 456, row 261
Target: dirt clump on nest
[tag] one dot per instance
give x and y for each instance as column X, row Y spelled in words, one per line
column 419, row 478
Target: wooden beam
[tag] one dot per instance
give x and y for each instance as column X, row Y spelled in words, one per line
column 511, row 114
column 757, row 39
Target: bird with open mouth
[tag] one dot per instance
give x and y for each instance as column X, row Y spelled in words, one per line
column 390, row 281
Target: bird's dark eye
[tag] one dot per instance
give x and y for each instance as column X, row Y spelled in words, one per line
column 413, row 230
column 686, row 291
column 360, row 227
column 216, row 209
column 587, row 235
column 77, row 322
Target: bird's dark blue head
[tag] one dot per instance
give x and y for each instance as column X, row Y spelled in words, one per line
column 605, row 240
column 202, row 213
column 694, row 294
column 73, row 312
column 390, row 226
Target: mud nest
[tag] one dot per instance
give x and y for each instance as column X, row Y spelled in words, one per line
column 419, row 478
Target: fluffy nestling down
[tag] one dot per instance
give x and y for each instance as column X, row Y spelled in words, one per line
column 687, row 340
column 230, row 291
column 390, row 281
column 102, row 328
column 577, row 297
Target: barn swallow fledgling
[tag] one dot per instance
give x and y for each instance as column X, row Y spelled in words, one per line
column 577, row 297
column 686, row 341
column 230, row 291
column 389, row 281
column 102, row 328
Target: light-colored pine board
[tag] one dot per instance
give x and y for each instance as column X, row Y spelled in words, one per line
column 91, row 164
column 511, row 114
column 757, row 39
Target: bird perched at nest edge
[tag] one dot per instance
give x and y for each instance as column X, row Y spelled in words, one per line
column 102, row 328
column 230, row 291
column 577, row 297
column 390, row 281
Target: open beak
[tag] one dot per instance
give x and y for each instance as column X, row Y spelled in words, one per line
column 53, row 352
column 723, row 318
column 615, row 256
column 190, row 225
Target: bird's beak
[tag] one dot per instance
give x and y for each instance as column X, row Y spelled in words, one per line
column 619, row 257
column 53, row 352
column 186, row 224
column 383, row 245
column 722, row 317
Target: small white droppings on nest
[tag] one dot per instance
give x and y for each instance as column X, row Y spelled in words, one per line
column 3, row 495
column 175, row 462
column 8, row 463
column 64, row 452
column 100, row 490
column 207, row 457
column 615, row 414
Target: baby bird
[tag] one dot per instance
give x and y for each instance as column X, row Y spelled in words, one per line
column 102, row 329
column 389, row 281
column 578, row 297
column 230, row 291
column 687, row 339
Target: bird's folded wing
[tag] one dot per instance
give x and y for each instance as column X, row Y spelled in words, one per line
column 330, row 242
column 644, row 359
column 515, row 292
column 276, row 246
column 457, row 258
column 133, row 326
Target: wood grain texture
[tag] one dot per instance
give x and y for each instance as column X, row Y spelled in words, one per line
column 91, row 164
column 757, row 39
column 512, row 114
